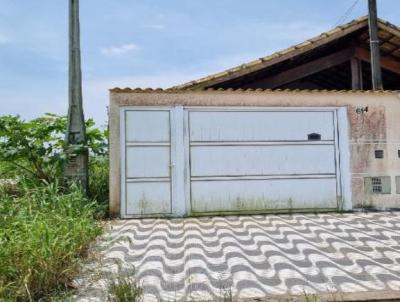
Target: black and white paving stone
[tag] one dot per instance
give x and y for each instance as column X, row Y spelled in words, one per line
column 248, row 256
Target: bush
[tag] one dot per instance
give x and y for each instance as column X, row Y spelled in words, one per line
column 43, row 232
column 99, row 181
column 35, row 149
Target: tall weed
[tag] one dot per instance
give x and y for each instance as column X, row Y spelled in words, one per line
column 124, row 289
column 43, row 232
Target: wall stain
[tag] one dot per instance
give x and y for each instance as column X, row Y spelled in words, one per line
column 368, row 133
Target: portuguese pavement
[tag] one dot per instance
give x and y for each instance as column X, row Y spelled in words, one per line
column 257, row 256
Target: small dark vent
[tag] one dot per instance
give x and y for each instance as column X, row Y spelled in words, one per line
column 314, row 137
column 378, row 153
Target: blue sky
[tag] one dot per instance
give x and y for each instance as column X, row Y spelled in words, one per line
column 147, row 43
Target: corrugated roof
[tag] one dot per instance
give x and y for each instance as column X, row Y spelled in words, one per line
column 240, row 90
column 282, row 55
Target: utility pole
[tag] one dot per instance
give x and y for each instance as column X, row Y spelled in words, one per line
column 76, row 167
column 374, row 45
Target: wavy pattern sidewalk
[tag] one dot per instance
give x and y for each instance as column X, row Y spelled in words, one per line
column 249, row 256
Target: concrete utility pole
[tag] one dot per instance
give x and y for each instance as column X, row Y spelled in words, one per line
column 374, row 45
column 76, row 167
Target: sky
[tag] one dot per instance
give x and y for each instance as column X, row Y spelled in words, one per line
column 148, row 43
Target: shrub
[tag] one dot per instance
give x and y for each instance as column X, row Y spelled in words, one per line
column 35, row 149
column 43, row 232
column 99, row 181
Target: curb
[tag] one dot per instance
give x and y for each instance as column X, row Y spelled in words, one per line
column 367, row 296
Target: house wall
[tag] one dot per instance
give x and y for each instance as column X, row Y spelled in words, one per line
column 372, row 117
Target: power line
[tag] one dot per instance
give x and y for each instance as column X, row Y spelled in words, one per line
column 347, row 13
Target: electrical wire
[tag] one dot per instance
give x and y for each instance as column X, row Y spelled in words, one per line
column 347, row 13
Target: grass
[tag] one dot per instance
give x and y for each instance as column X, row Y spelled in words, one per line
column 43, row 233
column 310, row 298
column 124, row 289
column 227, row 295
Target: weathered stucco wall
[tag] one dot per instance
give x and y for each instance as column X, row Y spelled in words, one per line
column 373, row 120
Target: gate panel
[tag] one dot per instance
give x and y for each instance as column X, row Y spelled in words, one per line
column 147, row 126
column 262, row 160
column 242, row 126
column 147, row 163
column 258, row 195
column 148, row 198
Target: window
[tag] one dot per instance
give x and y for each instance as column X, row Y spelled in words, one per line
column 377, row 185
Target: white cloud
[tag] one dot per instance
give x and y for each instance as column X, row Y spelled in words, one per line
column 119, row 50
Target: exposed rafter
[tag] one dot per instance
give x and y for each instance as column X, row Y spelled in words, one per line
column 387, row 63
column 307, row 69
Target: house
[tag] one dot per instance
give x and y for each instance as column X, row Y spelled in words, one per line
column 299, row 130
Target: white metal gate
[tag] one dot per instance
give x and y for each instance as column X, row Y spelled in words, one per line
column 199, row 161
column 249, row 161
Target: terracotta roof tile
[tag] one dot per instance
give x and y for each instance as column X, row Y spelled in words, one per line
column 241, row 90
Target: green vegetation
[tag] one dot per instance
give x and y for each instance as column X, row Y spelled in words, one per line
column 124, row 289
column 98, row 182
column 227, row 295
column 35, row 149
column 44, row 227
column 310, row 298
column 43, row 232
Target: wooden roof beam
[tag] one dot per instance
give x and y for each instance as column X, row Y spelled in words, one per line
column 305, row 70
column 387, row 63
column 356, row 74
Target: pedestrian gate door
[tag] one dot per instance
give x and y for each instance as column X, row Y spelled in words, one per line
column 200, row 161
